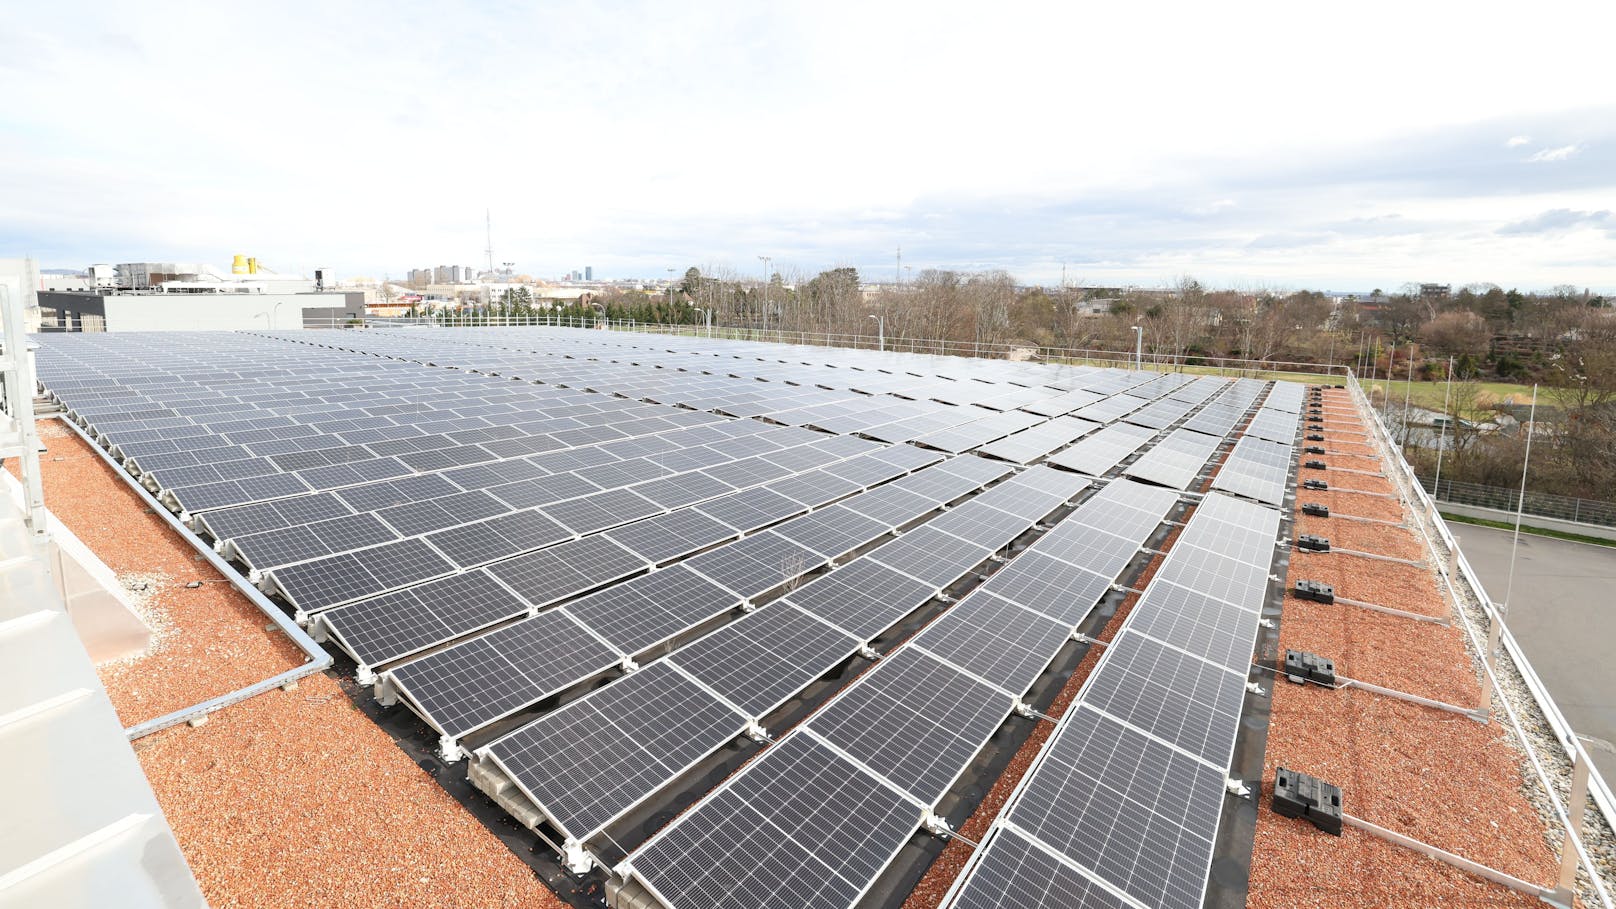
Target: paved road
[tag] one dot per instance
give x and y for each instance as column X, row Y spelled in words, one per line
column 1563, row 612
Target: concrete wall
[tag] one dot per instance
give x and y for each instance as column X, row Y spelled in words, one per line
column 204, row 312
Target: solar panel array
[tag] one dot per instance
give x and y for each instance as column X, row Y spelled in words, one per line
column 904, row 732
column 1122, row 804
column 1260, row 462
column 743, row 671
column 497, row 519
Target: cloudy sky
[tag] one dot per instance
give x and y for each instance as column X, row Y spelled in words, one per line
column 1250, row 143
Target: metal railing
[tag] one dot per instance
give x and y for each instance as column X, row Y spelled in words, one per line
column 1543, row 504
column 1567, row 813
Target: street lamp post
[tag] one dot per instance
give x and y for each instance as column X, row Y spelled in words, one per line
column 881, row 332
column 275, row 313
column 763, row 292
column 1138, row 347
column 708, row 313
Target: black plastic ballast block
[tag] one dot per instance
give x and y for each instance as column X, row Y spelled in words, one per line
column 1299, row 795
column 1308, row 542
column 1317, row 591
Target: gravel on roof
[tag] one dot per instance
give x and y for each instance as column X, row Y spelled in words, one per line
column 1439, row 777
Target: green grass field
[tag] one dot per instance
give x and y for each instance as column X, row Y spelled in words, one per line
column 1429, row 394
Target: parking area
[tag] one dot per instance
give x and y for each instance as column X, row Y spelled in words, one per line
column 1563, row 612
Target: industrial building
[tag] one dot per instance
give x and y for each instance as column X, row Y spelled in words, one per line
column 635, row 620
column 165, row 296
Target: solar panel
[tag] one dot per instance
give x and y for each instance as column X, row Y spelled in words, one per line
column 1273, row 425
column 310, row 541
column 494, row 538
column 1197, row 623
column 407, row 621
column 553, row 574
column 671, row 535
column 1257, row 469
column 1176, row 460
column 995, row 640
column 1134, row 811
column 932, row 556
column 1049, row 586
column 794, row 830
column 601, row 510
column 1031, row 444
column 831, row 532
column 340, row 578
column 915, row 720
column 652, row 608
column 1179, row 699
column 750, row 510
column 418, row 518
column 762, row 659
column 590, row 761
column 754, row 565
column 863, row 598
column 1014, row 872
column 1096, row 454
column 476, row 682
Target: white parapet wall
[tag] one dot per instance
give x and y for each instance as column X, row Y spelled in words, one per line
column 107, row 624
column 81, row 828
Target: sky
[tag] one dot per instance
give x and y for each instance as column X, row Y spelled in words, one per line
column 1247, row 144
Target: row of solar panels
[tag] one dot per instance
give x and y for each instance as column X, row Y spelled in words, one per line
column 560, row 647
column 598, row 757
column 1121, row 807
column 818, row 818
column 757, row 838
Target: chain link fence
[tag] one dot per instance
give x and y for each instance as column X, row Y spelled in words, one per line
column 1566, row 508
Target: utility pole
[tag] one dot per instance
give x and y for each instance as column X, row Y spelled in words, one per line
column 897, row 273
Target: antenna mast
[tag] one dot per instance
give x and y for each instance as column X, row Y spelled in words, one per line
column 489, row 215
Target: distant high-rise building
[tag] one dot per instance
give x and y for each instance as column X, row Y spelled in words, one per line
column 589, row 272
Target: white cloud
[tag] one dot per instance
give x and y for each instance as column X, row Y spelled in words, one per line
column 636, row 136
column 1518, row 141
column 1549, row 155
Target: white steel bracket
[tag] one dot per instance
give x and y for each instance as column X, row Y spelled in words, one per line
column 868, row 652
column 755, row 731
column 1236, row 787
column 935, row 824
column 576, row 857
column 449, row 749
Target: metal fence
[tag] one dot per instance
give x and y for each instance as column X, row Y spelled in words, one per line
column 1545, row 504
column 1059, row 356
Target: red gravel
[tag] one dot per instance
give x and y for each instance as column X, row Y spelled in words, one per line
column 1439, row 777
column 210, row 639
column 1379, row 539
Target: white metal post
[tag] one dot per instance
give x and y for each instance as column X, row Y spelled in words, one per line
column 17, row 375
